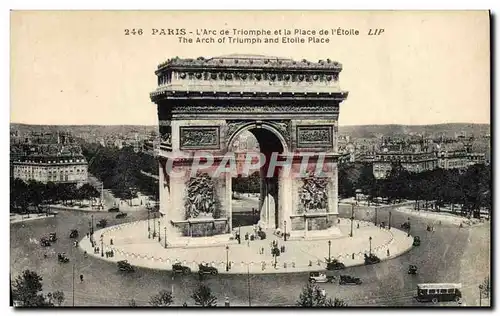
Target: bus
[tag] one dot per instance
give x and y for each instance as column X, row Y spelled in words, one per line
column 437, row 292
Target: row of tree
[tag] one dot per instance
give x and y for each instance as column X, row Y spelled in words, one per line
column 311, row 296
column 26, row 291
column 26, row 195
column 250, row 184
column 470, row 188
column 120, row 170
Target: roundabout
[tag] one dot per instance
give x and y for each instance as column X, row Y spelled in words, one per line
column 131, row 243
column 447, row 254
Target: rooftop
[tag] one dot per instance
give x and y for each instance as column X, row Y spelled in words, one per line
column 250, row 61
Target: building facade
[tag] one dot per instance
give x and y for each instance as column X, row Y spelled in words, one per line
column 57, row 169
column 453, row 160
column 412, row 162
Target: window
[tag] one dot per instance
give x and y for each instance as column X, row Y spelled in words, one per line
column 443, row 291
column 451, row 291
column 432, row 291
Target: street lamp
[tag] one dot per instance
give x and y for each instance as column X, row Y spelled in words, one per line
column 159, row 231
column 102, row 246
column 227, row 258
column 409, row 227
column 376, row 215
column 329, row 251
column 284, row 223
column 165, row 236
column 480, row 294
column 370, row 239
column 352, row 218
column 149, row 226
column 92, row 227
column 154, row 225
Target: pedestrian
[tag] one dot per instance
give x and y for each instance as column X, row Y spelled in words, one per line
column 111, row 241
column 388, row 253
column 81, row 277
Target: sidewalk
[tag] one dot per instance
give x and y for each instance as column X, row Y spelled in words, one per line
column 442, row 217
column 17, row 218
column 131, row 243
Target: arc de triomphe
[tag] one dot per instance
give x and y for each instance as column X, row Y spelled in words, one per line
column 291, row 107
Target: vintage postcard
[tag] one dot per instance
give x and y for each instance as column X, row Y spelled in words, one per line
column 250, row 158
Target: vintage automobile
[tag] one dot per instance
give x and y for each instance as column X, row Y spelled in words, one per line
column 61, row 257
column 121, row 215
column 73, row 233
column 371, row 259
column 406, row 225
column 334, row 265
column 123, row 265
column 179, row 268
column 102, row 223
column 44, row 242
column 114, row 209
column 347, row 279
column 412, row 269
column 52, row 237
column 416, row 241
column 206, row 269
column 321, row 277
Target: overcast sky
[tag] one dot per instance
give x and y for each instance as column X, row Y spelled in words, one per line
column 80, row 68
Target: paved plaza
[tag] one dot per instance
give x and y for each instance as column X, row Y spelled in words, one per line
column 131, row 242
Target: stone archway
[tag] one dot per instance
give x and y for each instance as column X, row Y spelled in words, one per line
column 292, row 106
column 270, row 140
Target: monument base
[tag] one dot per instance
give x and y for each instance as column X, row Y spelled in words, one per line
column 330, row 233
column 201, row 242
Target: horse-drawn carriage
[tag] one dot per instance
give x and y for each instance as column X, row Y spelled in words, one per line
column 73, row 233
column 61, row 257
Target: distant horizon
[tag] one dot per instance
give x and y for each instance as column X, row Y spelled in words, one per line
column 128, row 124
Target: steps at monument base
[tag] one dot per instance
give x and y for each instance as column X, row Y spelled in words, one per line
column 331, row 233
column 201, row 242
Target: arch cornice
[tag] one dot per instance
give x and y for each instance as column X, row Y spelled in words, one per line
column 280, row 128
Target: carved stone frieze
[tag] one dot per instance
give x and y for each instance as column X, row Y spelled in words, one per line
column 201, row 198
column 200, row 137
column 312, row 136
column 232, row 126
column 313, row 195
column 283, row 127
column 257, row 109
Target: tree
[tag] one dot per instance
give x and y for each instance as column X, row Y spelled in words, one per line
column 202, row 296
column 485, row 287
column 56, row 297
column 132, row 303
column 312, row 296
column 164, row 298
column 27, row 288
column 336, row 302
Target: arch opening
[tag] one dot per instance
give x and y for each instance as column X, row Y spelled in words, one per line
column 255, row 196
